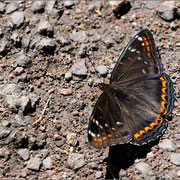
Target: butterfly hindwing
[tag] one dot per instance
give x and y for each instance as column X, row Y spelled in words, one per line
column 106, row 126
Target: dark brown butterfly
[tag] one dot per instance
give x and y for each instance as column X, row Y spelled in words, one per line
column 134, row 106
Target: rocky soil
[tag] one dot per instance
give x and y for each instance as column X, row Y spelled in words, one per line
column 47, row 91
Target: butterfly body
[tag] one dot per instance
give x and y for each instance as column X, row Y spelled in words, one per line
column 133, row 107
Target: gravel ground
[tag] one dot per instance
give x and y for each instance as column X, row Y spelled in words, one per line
column 47, row 91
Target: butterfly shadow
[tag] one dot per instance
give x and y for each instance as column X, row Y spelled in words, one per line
column 123, row 156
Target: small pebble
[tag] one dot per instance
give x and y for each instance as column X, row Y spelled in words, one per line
column 76, row 161
column 48, row 162
column 102, row 70
column 143, row 167
column 167, row 145
column 68, row 75
column 175, row 158
column 18, row 70
column 72, row 139
column 34, row 163
column 99, row 174
column 17, row 18
column 24, row 154
column 65, row 92
column 68, row 3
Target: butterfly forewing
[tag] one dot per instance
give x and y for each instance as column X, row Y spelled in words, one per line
column 138, row 61
column 133, row 107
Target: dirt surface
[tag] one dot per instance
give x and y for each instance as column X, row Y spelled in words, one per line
column 47, row 91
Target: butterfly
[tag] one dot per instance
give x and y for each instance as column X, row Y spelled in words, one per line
column 135, row 105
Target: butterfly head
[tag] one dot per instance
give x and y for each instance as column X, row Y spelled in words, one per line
column 103, row 86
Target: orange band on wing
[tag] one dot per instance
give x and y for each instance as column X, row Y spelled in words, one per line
column 153, row 124
column 136, row 136
column 147, row 128
column 164, row 90
column 163, row 96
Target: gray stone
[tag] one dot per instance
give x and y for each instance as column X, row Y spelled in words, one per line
column 5, row 153
column 68, row 3
column 46, row 44
column 68, row 75
column 79, row 68
column 102, row 70
column 15, row 37
column 98, row 4
column 76, row 161
column 96, row 38
column 26, row 41
column 4, row 132
column 38, row 6
column 25, row 103
column 9, row 89
column 108, row 41
column 99, row 174
column 34, row 163
column 91, row 7
column 19, row 120
column 137, row 5
column 72, row 139
column 11, row 7
column 5, row 123
column 48, row 162
column 33, row 21
column 93, row 165
column 143, row 167
column 14, row 99
column 2, row 7
column 167, row 145
column 44, row 153
column 49, row 6
column 80, row 37
column 22, row 60
column 175, row 158
column 24, row 154
column 152, row 4
column 167, row 11
column 122, row 173
column 82, row 51
column 44, row 27
column 62, row 40
column 17, row 18
column 3, row 45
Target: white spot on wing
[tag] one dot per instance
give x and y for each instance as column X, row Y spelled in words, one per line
column 142, row 44
column 97, row 123
column 139, row 58
column 106, row 125
column 145, row 62
column 98, row 135
column 144, row 72
column 138, row 52
column 133, row 50
column 140, row 38
column 92, row 134
column 100, row 127
column 113, row 129
column 118, row 123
